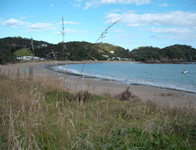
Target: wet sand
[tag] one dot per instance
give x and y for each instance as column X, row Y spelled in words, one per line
column 168, row 97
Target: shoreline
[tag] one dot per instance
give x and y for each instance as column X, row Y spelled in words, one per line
column 159, row 95
column 50, row 67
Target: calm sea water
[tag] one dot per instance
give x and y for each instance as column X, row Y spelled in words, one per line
column 160, row 75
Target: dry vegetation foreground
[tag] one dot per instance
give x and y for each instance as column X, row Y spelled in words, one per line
column 40, row 115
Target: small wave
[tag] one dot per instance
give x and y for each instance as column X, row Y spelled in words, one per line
column 187, row 88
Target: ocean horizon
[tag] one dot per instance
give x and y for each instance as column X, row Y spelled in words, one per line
column 158, row 75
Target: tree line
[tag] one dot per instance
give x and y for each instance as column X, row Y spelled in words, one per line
column 78, row 51
column 175, row 53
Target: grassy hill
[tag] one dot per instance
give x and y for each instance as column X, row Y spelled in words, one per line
column 22, row 52
column 106, row 49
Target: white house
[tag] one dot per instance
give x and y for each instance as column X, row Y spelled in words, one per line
column 44, row 45
column 28, row 58
column 116, row 58
column 106, row 56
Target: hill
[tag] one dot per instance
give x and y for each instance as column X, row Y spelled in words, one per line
column 175, row 53
column 17, row 46
column 10, row 47
column 72, row 50
column 113, row 50
column 5, row 54
column 22, row 52
column 82, row 51
column 20, row 42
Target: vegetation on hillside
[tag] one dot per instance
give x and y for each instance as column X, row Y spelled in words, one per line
column 41, row 115
column 174, row 53
column 5, row 54
column 22, row 52
column 73, row 50
column 106, row 49
column 10, row 45
column 94, row 51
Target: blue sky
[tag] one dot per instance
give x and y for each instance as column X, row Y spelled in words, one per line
column 157, row 23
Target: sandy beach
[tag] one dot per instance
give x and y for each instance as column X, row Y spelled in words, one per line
column 160, row 96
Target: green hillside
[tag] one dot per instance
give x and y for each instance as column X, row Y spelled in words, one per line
column 77, row 51
column 72, row 50
column 107, row 49
column 5, row 54
column 174, row 53
column 22, row 52
column 81, row 51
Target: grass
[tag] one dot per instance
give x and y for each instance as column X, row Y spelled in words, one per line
column 40, row 115
column 22, row 52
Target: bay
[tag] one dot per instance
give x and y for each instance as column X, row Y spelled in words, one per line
column 159, row 75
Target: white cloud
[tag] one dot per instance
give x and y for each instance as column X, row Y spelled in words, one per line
column 91, row 3
column 13, row 23
column 77, row 5
column 177, row 18
column 163, row 5
column 172, row 30
column 41, row 26
column 182, row 34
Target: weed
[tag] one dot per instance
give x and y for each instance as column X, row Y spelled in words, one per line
column 39, row 114
column 82, row 96
column 127, row 95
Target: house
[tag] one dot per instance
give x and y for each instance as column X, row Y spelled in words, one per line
column 112, row 52
column 25, row 58
column 124, row 59
column 116, row 58
column 105, row 56
column 29, row 58
column 44, row 45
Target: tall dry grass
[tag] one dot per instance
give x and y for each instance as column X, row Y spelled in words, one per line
column 40, row 115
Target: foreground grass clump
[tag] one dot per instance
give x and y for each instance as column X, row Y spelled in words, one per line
column 40, row 115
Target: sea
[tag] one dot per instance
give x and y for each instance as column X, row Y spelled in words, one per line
column 158, row 75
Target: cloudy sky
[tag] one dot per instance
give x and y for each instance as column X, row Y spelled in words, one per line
column 157, row 23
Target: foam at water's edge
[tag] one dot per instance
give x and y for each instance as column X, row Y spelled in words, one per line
column 123, row 80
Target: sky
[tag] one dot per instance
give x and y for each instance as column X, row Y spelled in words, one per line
column 157, row 23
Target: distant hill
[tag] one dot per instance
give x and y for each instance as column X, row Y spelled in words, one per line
column 72, row 50
column 18, row 46
column 20, row 42
column 112, row 50
column 82, row 51
column 175, row 54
